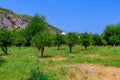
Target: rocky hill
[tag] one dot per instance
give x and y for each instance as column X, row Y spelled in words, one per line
column 10, row 20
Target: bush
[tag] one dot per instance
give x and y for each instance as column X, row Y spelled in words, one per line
column 37, row 75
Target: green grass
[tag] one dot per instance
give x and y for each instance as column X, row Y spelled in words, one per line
column 21, row 64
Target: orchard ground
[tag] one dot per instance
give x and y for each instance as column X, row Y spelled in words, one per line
column 95, row 63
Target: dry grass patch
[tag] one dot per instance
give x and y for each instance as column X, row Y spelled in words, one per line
column 56, row 58
column 99, row 56
column 92, row 72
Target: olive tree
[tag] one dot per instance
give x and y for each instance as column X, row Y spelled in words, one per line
column 41, row 40
column 71, row 40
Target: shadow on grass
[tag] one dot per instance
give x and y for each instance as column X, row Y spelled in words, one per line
column 1, row 61
column 37, row 75
column 4, row 54
column 48, row 56
column 45, row 56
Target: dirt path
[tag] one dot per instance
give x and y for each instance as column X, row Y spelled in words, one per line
column 92, row 72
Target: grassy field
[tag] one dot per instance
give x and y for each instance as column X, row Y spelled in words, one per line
column 24, row 64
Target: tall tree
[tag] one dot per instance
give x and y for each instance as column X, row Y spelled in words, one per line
column 110, row 32
column 41, row 40
column 71, row 40
column 37, row 24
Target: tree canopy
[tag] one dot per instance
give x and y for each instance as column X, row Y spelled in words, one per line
column 59, row 40
column 112, row 34
column 37, row 24
column 85, row 39
column 6, row 39
column 41, row 40
column 71, row 40
column 19, row 39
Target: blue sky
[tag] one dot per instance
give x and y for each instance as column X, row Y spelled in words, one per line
column 70, row 15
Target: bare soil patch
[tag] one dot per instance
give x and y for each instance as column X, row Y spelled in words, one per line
column 92, row 72
column 99, row 56
column 56, row 58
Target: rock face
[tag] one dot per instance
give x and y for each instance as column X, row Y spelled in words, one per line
column 10, row 20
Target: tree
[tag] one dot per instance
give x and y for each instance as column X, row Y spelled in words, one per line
column 19, row 38
column 85, row 39
column 97, row 40
column 6, row 38
column 110, row 32
column 59, row 40
column 37, row 24
column 41, row 40
column 71, row 40
column 114, row 39
column 104, row 42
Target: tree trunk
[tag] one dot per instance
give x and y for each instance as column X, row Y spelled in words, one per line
column 42, row 53
column 58, row 47
column 114, row 45
column 70, row 49
column 4, row 49
column 86, row 47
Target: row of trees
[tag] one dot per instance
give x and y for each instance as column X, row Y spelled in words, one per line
column 37, row 34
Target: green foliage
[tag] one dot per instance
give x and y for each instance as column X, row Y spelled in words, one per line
column 85, row 39
column 41, row 40
column 37, row 75
column 57, row 74
column 104, row 42
column 110, row 32
column 1, row 61
column 71, row 40
column 3, row 10
column 59, row 40
column 19, row 39
column 22, row 63
column 6, row 39
column 37, row 24
column 113, row 40
column 7, row 11
column 97, row 40
column 26, row 16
